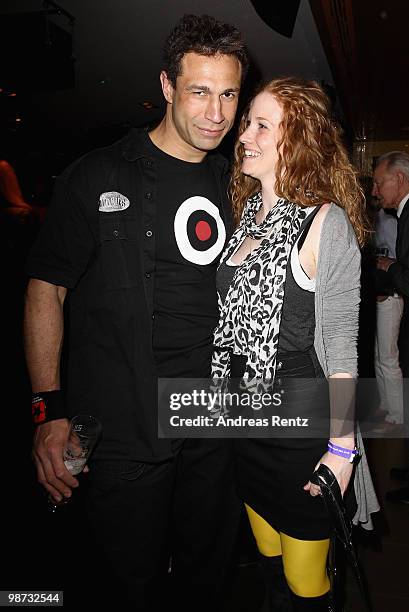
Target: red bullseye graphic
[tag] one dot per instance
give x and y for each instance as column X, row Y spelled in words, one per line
column 203, row 230
column 199, row 230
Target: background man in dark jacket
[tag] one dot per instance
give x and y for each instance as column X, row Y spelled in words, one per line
column 391, row 187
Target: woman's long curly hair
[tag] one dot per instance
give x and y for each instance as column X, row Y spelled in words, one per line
column 313, row 165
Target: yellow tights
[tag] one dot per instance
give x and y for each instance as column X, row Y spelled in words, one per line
column 304, row 561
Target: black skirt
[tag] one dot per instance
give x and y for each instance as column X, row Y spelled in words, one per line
column 271, row 472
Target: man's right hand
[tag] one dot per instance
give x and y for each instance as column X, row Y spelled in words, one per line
column 50, row 440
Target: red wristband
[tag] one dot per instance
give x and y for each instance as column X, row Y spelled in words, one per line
column 47, row 406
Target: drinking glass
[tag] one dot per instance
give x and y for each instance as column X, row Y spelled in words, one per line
column 84, row 433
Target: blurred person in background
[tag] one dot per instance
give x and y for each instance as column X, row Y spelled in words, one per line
column 391, row 188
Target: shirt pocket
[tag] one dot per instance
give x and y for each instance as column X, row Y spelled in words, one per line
column 119, row 254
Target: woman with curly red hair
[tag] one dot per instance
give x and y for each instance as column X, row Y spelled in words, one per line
column 289, row 284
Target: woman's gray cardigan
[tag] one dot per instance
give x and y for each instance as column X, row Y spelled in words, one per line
column 337, row 297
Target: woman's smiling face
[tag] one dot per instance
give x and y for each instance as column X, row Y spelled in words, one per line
column 261, row 137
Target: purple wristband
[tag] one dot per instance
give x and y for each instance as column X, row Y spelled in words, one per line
column 346, row 453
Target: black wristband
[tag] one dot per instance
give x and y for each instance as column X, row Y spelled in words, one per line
column 47, row 406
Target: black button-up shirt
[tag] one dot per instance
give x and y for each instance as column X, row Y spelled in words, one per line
column 98, row 240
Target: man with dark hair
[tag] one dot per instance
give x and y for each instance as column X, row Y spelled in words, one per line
column 130, row 248
column 205, row 36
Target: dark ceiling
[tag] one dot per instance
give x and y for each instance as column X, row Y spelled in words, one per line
column 117, row 48
column 367, row 45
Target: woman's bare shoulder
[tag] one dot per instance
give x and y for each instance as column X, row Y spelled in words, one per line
column 323, row 211
column 316, row 225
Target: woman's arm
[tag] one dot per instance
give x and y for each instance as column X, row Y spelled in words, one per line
column 340, row 330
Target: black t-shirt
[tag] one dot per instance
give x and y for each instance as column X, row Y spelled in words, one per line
column 190, row 236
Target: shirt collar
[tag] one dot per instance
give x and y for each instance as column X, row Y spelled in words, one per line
column 134, row 147
column 402, row 205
